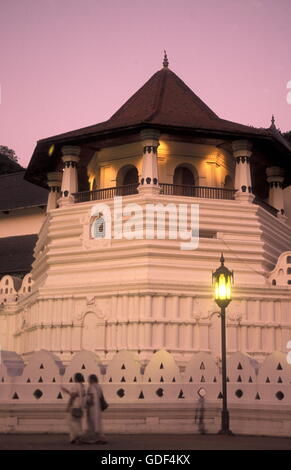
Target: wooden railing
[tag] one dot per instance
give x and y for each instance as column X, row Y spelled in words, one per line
column 265, row 205
column 106, row 193
column 197, row 191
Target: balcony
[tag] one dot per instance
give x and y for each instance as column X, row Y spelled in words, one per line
column 106, row 193
column 166, row 189
column 266, row 206
column 205, row 192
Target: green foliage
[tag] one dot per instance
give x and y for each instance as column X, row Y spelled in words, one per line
column 4, row 150
column 8, row 161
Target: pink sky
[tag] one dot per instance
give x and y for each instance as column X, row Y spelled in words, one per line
column 66, row 64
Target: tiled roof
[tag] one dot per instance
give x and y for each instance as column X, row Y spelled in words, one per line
column 167, row 101
column 164, row 102
column 16, row 192
column 16, row 254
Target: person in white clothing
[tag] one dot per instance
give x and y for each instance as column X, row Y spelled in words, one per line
column 94, row 433
column 76, row 408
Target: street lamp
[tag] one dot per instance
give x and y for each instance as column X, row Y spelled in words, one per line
column 222, row 279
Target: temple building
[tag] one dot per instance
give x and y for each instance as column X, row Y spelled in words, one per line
column 89, row 291
column 22, row 212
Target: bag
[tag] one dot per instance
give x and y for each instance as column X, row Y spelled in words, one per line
column 103, row 403
column 77, row 413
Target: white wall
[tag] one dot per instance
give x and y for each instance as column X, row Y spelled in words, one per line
column 21, row 222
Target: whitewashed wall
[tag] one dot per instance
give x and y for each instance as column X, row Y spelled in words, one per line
column 160, row 397
column 124, row 379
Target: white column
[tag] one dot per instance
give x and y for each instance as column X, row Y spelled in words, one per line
column 149, row 182
column 54, row 179
column 242, row 151
column 275, row 178
column 70, row 174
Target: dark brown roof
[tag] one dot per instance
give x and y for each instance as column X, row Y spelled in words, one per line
column 16, row 192
column 16, row 254
column 164, row 100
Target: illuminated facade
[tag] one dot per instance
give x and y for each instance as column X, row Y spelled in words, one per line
column 164, row 146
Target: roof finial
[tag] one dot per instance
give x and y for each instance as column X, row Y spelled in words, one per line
column 165, row 61
column 273, row 126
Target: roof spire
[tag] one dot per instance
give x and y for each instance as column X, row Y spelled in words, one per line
column 165, row 61
column 273, row 126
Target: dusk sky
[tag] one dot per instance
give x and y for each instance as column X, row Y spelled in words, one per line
column 66, row 64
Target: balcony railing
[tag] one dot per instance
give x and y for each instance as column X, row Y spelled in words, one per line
column 196, row 191
column 166, row 189
column 265, row 205
column 106, row 193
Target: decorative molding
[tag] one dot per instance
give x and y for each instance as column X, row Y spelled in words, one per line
column 91, row 305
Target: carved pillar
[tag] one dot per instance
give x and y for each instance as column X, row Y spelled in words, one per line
column 54, row 179
column 242, row 151
column 70, row 174
column 148, row 306
column 275, row 178
column 158, row 326
column 175, row 307
column 149, row 182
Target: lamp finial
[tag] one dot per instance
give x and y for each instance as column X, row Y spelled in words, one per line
column 165, row 61
column 273, row 125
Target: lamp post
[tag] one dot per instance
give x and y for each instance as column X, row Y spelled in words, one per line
column 222, row 279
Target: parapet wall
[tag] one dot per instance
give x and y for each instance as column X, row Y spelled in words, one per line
column 157, row 398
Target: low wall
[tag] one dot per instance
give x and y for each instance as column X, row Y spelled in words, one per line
column 160, row 398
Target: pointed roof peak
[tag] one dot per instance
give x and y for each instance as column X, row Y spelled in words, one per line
column 273, row 125
column 165, row 100
column 165, row 61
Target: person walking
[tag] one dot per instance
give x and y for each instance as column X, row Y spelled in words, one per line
column 76, row 408
column 95, row 405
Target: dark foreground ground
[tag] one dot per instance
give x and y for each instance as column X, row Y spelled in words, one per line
column 146, row 442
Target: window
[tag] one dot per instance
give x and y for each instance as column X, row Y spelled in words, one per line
column 98, row 228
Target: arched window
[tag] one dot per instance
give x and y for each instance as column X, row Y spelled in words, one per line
column 127, row 177
column 184, row 176
column 130, row 177
column 185, row 179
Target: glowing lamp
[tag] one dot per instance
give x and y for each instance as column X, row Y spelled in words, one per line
column 51, row 150
column 222, row 279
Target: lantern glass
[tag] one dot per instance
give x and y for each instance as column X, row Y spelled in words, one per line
column 223, row 287
column 222, row 279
